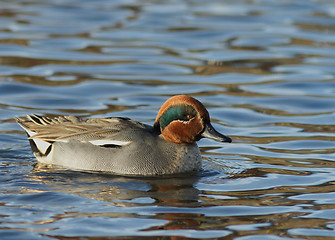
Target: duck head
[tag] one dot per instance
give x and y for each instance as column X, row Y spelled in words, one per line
column 183, row 119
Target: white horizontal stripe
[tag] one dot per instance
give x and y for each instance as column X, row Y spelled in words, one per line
column 105, row 142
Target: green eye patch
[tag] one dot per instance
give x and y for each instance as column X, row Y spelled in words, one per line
column 178, row 112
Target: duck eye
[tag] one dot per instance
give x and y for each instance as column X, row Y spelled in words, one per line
column 176, row 113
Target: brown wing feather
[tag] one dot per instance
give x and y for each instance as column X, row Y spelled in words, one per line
column 71, row 127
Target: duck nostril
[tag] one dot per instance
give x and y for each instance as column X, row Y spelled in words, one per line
column 210, row 132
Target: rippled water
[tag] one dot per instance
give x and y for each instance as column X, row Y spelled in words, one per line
column 265, row 70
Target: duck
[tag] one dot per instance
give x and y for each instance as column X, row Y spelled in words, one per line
column 123, row 146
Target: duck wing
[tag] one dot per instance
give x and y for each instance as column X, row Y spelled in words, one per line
column 98, row 131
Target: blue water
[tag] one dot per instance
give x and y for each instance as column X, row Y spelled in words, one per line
column 263, row 68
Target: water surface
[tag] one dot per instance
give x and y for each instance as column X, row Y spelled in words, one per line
column 263, row 68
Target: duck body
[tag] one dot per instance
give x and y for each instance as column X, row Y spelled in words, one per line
column 124, row 146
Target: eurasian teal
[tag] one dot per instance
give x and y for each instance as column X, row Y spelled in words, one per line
column 124, row 146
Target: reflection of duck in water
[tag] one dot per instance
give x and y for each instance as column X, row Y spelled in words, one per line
column 123, row 146
column 121, row 191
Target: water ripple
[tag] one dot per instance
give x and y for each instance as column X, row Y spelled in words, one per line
column 265, row 71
